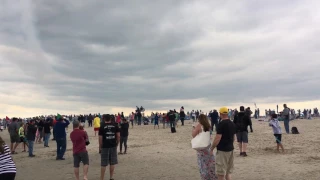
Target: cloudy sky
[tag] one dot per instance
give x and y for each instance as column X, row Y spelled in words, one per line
column 72, row 56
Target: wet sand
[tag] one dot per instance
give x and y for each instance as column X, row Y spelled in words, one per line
column 158, row 154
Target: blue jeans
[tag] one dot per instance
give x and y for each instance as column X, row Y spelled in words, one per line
column 30, row 147
column 139, row 120
column 286, row 125
column 61, row 147
column 46, row 139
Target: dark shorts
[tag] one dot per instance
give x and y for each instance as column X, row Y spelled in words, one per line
column 96, row 129
column 109, row 156
column 156, row 122
column 23, row 139
column 278, row 138
column 15, row 138
column 8, row 176
column 80, row 157
column 242, row 137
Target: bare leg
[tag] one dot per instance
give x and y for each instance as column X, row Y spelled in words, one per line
column 103, row 170
column 221, row 177
column 228, row 177
column 85, row 172
column 15, row 146
column 76, row 173
column 244, row 147
column 281, row 147
column 111, row 171
column 11, row 146
column 240, row 147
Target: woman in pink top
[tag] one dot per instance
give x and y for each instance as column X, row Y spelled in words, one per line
column 132, row 119
column 118, row 120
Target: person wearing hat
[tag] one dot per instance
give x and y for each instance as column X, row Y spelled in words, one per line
column 60, row 136
column 223, row 141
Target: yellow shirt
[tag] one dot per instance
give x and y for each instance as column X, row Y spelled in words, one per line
column 96, row 122
column 21, row 132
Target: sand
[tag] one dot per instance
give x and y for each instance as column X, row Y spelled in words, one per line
column 158, row 154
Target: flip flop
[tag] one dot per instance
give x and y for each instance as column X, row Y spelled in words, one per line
column 13, row 152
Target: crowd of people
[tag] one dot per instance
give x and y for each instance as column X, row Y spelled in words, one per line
column 113, row 131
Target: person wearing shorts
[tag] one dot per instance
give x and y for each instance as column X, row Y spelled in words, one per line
column 13, row 129
column 109, row 138
column 80, row 153
column 156, row 121
column 242, row 121
column 224, row 142
column 23, row 139
column 274, row 123
column 96, row 124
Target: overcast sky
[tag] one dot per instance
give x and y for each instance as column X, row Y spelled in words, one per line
column 106, row 56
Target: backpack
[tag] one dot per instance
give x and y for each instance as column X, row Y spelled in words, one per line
column 294, row 130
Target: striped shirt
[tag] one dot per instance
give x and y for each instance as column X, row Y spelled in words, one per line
column 6, row 163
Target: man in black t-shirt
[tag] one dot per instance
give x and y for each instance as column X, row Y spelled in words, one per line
column 224, row 142
column 109, row 138
column 124, row 133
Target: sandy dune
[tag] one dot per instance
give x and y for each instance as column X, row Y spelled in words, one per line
column 158, row 154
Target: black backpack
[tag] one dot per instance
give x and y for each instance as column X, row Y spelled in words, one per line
column 294, row 130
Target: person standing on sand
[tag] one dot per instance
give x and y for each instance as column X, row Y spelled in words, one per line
column 182, row 115
column 13, row 129
column 274, row 123
column 285, row 116
column 47, row 132
column 224, row 142
column 22, row 137
column 132, row 119
column 80, row 153
column 96, row 125
column 214, row 119
column 124, row 133
column 31, row 136
column 109, row 138
column 249, row 112
column 206, row 160
column 242, row 121
column 156, row 121
column 60, row 136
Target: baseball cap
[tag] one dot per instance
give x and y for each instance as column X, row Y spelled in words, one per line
column 223, row 110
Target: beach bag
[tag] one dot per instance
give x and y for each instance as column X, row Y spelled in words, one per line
column 201, row 141
column 294, row 130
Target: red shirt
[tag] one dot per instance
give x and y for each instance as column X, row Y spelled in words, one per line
column 78, row 138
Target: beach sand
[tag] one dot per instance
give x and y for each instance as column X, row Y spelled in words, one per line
column 158, row 154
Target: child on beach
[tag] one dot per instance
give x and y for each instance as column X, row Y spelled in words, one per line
column 274, row 123
column 23, row 139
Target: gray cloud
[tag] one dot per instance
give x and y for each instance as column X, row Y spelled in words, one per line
column 127, row 53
